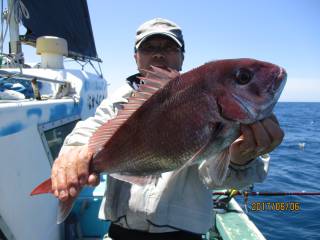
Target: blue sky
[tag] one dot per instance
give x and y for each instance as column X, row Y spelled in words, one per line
column 284, row 32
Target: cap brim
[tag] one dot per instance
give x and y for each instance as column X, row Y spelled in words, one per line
column 158, row 33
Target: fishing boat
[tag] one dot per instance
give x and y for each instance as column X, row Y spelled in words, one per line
column 39, row 106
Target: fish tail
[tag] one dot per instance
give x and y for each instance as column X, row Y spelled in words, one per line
column 64, row 209
column 44, row 187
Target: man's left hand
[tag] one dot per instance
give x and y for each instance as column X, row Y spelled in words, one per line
column 256, row 139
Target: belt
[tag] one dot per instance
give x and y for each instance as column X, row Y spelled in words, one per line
column 119, row 233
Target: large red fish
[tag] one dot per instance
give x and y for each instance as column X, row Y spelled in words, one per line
column 176, row 120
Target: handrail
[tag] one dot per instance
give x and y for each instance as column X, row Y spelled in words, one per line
column 7, row 74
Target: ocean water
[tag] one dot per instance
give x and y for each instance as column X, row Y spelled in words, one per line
column 293, row 168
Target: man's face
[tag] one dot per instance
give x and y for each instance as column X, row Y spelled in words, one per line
column 159, row 51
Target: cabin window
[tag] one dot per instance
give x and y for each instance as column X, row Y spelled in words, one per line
column 55, row 136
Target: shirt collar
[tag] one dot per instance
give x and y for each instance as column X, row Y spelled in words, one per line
column 134, row 80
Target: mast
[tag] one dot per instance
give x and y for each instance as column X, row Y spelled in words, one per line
column 15, row 45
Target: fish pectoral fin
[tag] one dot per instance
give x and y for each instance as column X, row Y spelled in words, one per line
column 64, row 209
column 44, row 187
column 138, row 180
column 218, row 165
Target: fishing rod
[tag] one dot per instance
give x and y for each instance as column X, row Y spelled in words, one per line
column 230, row 193
column 235, row 192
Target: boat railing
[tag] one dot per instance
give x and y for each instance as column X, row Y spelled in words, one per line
column 10, row 74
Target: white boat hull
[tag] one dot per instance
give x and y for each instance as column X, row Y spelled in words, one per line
column 27, row 143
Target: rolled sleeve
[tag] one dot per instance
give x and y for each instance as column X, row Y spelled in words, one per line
column 238, row 176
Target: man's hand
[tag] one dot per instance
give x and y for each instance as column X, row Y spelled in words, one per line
column 256, row 139
column 70, row 171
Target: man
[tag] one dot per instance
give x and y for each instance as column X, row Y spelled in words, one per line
column 181, row 210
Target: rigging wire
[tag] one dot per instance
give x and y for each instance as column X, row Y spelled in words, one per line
column 6, row 15
column 20, row 11
column 1, row 36
column 85, row 63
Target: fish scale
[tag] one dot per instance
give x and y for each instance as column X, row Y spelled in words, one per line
column 154, row 141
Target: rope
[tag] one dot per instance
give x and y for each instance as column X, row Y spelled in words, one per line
column 20, row 10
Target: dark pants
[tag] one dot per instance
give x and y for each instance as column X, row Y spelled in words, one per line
column 118, row 233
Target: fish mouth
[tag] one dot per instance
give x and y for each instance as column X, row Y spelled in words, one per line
column 279, row 84
column 276, row 89
column 282, row 76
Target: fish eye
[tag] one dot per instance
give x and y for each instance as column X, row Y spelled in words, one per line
column 243, row 76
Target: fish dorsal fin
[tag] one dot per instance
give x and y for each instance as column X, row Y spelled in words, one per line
column 156, row 79
column 160, row 75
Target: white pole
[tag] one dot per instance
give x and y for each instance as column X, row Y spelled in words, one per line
column 15, row 44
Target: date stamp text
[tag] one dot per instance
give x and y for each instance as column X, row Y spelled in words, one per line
column 275, row 206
